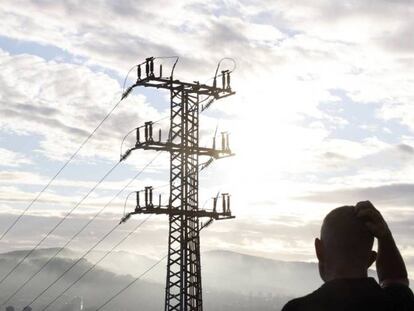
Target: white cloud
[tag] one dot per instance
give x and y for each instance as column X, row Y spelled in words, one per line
column 13, row 159
column 290, row 57
column 64, row 105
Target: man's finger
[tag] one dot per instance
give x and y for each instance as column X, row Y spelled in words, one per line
column 364, row 205
column 367, row 213
column 372, row 227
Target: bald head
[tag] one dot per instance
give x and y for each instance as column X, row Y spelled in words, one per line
column 345, row 238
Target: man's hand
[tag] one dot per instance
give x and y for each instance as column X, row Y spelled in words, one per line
column 390, row 265
column 372, row 219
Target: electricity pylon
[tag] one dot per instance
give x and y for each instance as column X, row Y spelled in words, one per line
column 183, row 290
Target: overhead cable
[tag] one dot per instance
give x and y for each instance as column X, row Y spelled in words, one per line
column 80, row 231
column 124, row 95
column 97, row 262
column 140, row 276
column 58, row 224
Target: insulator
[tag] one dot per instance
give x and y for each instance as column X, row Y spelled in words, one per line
column 125, row 155
column 215, row 82
column 214, row 204
column 206, row 164
column 228, row 80
column 150, row 196
column 208, row 223
column 159, row 135
column 138, row 202
column 123, row 220
column 159, row 200
column 228, row 204
column 147, row 67
column 223, row 79
column 160, row 71
column 126, row 93
column 227, row 142
column 138, row 136
column 224, row 203
column 223, row 141
column 146, row 196
column 152, row 67
column 139, row 72
column 214, row 142
column 150, row 130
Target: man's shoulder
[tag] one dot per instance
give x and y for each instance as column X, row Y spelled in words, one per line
column 401, row 295
column 364, row 294
column 293, row 305
column 303, row 303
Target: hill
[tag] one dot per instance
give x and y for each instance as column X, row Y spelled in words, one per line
column 231, row 281
column 148, row 294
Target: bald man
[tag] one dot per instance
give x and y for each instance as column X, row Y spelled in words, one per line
column 344, row 252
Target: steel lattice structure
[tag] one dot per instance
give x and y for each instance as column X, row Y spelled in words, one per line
column 183, row 282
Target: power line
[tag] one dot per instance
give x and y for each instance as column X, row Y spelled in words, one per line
column 98, row 262
column 80, row 231
column 58, row 224
column 131, row 283
column 74, row 264
column 138, row 277
column 62, row 168
column 79, row 259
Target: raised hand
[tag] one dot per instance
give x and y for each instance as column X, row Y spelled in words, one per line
column 390, row 265
column 372, row 219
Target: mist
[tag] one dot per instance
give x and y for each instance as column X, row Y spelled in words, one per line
column 231, row 281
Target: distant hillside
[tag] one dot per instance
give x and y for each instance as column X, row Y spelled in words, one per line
column 94, row 288
column 147, row 294
column 255, row 275
column 231, row 281
column 229, row 271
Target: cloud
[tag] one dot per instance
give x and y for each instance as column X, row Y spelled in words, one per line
column 290, row 56
column 392, row 195
column 66, row 101
column 259, row 46
column 13, row 159
column 406, row 149
column 380, row 156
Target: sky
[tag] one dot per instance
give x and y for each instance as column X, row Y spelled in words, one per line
column 322, row 117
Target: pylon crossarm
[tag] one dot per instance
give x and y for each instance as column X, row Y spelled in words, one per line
column 167, row 210
column 167, row 146
column 200, row 89
column 201, row 151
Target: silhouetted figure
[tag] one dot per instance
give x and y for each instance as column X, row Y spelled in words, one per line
column 345, row 253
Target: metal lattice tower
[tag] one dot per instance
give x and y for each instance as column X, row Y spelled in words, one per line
column 183, row 283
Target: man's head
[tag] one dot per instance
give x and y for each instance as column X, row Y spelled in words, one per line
column 344, row 249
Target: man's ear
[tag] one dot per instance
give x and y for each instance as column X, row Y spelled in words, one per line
column 319, row 249
column 372, row 258
column 320, row 254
